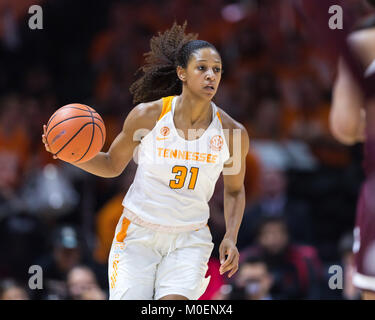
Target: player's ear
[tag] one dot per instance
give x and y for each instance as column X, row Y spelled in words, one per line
column 181, row 73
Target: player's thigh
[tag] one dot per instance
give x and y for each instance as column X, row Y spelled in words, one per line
column 183, row 271
column 132, row 265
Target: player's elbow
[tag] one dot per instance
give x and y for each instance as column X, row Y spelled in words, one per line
column 113, row 169
column 112, row 175
column 234, row 191
column 116, row 172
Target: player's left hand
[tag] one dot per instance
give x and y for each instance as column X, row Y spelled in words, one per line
column 230, row 263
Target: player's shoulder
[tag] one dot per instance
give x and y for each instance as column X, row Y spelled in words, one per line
column 145, row 114
column 149, row 110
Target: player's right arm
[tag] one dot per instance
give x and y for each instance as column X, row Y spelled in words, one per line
column 140, row 120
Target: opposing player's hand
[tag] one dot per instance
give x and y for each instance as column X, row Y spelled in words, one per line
column 230, row 263
column 44, row 140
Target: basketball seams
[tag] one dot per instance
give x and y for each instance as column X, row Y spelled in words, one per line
column 74, row 117
column 101, row 132
column 71, row 139
column 80, row 129
column 88, row 149
column 69, row 107
column 92, row 135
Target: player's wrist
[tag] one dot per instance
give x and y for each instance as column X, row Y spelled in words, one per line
column 230, row 237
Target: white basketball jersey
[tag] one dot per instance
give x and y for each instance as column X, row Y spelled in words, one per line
column 176, row 177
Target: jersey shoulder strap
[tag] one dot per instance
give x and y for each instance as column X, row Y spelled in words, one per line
column 167, row 105
column 218, row 116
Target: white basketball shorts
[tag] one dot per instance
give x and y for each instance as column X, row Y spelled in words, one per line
column 145, row 264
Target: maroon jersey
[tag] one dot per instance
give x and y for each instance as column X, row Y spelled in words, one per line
column 364, row 231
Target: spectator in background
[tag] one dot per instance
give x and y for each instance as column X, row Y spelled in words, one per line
column 274, row 201
column 21, row 242
column 14, row 146
column 296, row 269
column 267, row 120
column 12, row 290
column 253, row 282
column 83, row 285
column 66, row 253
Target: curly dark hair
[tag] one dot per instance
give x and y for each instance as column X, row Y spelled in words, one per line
column 168, row 50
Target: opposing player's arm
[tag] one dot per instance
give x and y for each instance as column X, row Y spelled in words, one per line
column 140, row 120
column 347, row 116
column 234, row 196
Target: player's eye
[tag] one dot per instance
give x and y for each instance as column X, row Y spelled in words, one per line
column 217, row 69
column 201, row 68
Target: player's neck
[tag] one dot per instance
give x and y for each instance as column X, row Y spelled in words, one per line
column 193, row 109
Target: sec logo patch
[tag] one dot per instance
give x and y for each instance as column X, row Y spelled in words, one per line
column 216, row 142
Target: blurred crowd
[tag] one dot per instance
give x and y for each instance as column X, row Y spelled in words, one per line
column 301, row 185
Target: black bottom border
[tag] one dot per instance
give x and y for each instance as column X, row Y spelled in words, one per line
column 224, row 309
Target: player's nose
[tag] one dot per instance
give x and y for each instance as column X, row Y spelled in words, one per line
column 210, row 75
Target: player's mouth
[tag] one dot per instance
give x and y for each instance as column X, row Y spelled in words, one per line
column 209, row 88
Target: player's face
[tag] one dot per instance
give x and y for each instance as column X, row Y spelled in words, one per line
column 203, row 73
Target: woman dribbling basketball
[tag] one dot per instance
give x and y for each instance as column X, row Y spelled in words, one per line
column 183, row 142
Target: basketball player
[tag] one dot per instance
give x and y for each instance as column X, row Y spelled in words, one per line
column 352, row 120
column 162, row 242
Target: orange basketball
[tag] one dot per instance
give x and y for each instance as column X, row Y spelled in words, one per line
column 75, row 133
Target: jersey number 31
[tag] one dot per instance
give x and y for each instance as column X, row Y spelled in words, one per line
column 179, row 179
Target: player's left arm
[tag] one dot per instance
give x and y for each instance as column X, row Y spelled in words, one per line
column 234, row 201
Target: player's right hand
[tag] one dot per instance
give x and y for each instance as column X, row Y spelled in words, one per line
column 44, row 140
